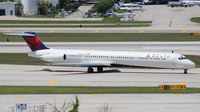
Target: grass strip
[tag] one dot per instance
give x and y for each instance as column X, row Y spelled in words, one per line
column 23, row 59
column 88, row 90
column 76, row 25
column 67, row 22
column 195, row 19
column 19, row 59
column 195, row 59
column 108, row 37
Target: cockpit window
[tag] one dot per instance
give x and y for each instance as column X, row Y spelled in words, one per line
column 182, row 58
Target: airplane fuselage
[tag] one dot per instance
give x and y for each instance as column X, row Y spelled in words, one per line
column 89, row 58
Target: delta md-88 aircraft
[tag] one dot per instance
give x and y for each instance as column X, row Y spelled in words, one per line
column 99, row 59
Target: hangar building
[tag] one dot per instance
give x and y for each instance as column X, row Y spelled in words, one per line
column 7, row 8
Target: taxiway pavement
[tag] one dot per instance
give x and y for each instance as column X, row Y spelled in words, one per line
column 116, row 102
column 152, row 29
column 24, row 75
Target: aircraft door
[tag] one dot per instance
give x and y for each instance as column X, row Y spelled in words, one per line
column 64, row 57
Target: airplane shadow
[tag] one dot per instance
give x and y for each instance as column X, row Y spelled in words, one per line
column 169, row 72
column 160, row 73
column 74, row 72
column 78, row 72
column 50, row 70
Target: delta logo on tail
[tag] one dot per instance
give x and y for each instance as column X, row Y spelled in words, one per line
column 34, row 42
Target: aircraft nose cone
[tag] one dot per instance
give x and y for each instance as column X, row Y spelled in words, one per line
column 189, row 64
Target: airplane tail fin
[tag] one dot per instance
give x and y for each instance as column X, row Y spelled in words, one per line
column 31, row 39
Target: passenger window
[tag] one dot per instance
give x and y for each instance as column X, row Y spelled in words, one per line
column 64, row 57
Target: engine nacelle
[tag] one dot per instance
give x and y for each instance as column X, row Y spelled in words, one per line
column 53, row 57
column 38, row 54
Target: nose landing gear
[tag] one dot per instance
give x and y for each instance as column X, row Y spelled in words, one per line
column 185, row 71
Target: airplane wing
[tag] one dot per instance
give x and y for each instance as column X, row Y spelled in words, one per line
column 87, row 64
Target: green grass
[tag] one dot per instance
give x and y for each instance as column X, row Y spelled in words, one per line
column 120, row 11
column 107, row 20
column 72, row 24
column 36, row 16
column 109, row 37
column 195, row 59
column 88, row 90
column 19, row 59
column 195, row 19
column 77, row 25
column 23, row 59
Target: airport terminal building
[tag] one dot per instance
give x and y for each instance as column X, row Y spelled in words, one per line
column 29, row 7
column 7, row 8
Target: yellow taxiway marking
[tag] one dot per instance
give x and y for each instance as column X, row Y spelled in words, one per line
column 141, row 31
column 53, row 83
column 181, row 83
column 177, row 94
column 51, row 31
column 7, row 30
column 94, row 94
column 96, row 31
column 18, row 97
column 183, row 31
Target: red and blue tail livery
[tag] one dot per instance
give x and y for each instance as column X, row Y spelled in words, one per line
column 32, row 40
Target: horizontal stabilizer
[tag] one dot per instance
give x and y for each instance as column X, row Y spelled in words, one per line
column 19, row 34
column 31, row 39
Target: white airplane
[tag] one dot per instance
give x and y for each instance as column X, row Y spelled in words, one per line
column 130, row 7
column 99, row 59
column 191, row 2
column 129, row 4
column 123, row 15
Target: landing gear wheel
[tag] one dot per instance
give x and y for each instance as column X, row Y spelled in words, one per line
column 185, row 71
column 99, row 69
column 90, row 70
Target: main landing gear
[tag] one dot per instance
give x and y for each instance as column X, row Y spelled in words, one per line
column 185, row 71
column 91, row 70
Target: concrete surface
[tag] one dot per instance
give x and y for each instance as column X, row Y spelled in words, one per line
column 189, row 48
column 153, row 29
column 161, row 15
column 165, row 19
column 78, row 15
column 75, row 76
column 49, row 19
column 117, row 102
